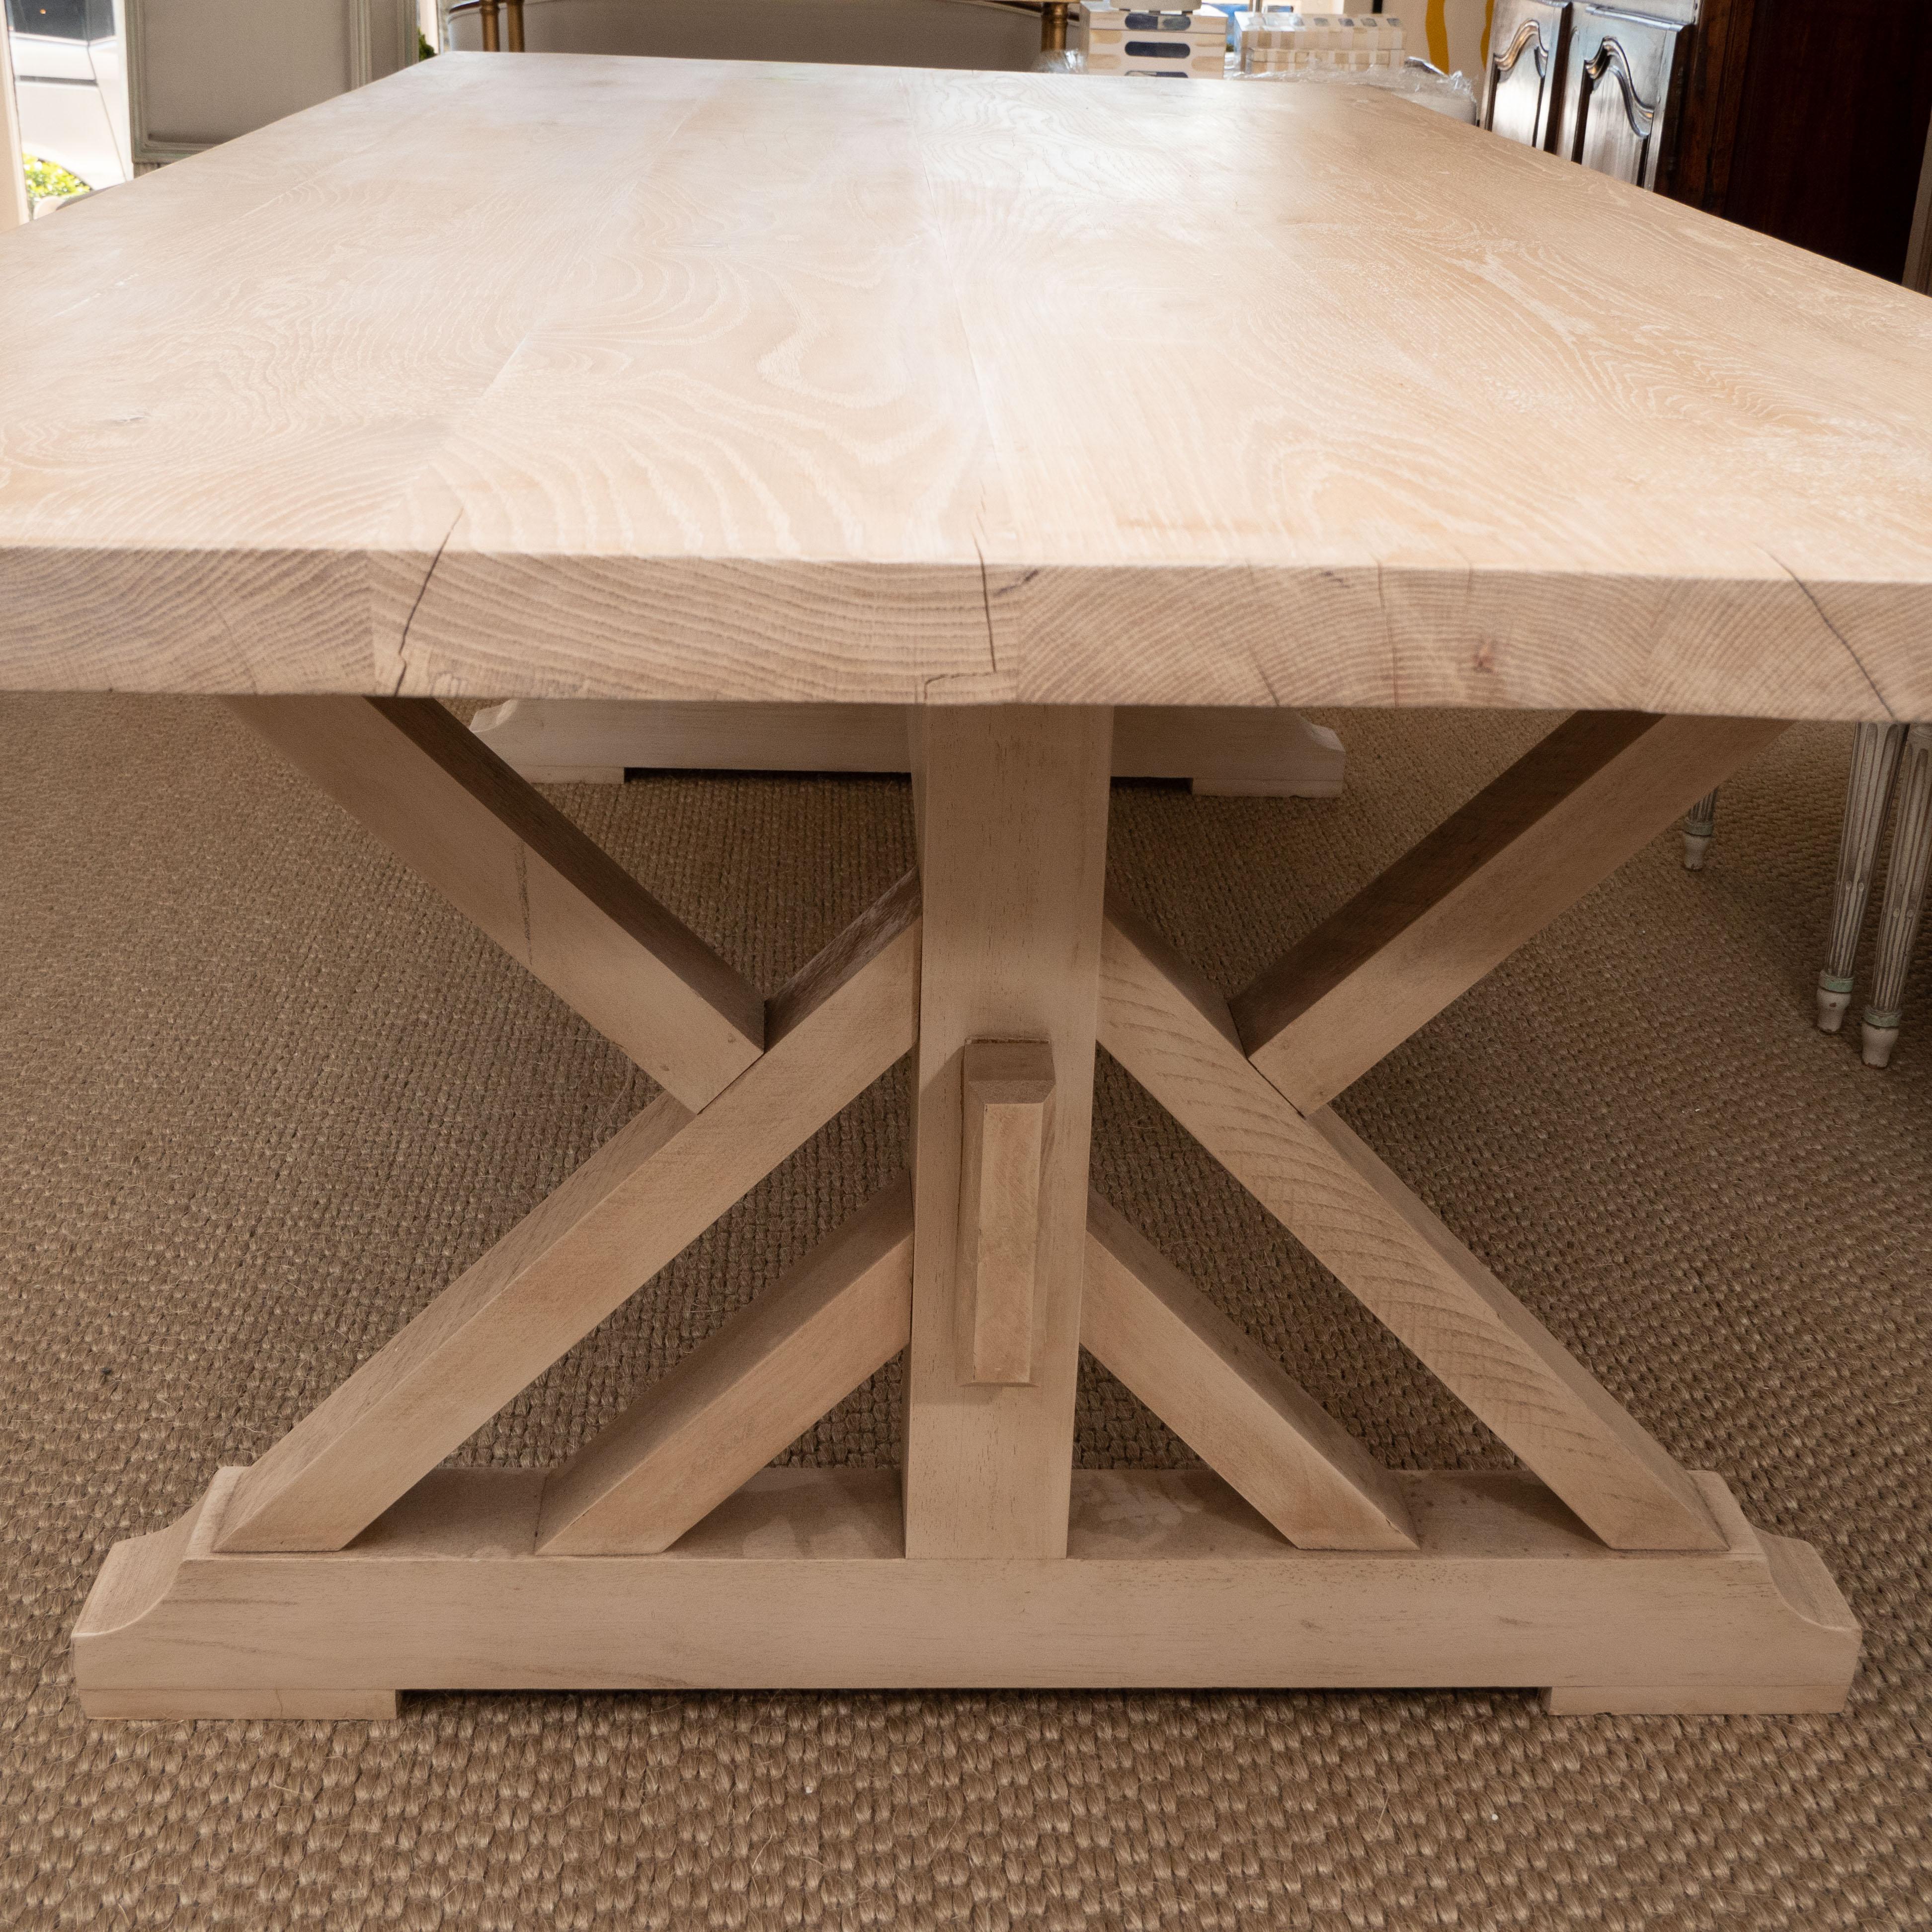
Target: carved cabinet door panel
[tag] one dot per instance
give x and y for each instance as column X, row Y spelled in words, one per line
column 1619, row 91
column 1527, row 40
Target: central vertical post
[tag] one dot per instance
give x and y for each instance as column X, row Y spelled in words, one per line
column 1012, row 805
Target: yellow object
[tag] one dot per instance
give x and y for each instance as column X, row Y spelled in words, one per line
column 1437, row 28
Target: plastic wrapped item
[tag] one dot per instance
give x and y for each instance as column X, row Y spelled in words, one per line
column 1062, row 60
column 1280, row 40
column 1415, row 80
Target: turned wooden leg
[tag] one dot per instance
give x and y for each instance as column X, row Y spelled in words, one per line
column 1904, row 895
column 1875, row 750
column 1699, row 823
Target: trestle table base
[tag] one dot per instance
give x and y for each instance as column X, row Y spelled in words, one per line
column 350, row 1562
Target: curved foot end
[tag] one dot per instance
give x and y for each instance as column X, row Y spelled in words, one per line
column 1696, row 845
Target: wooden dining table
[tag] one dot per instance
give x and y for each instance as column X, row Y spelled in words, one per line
column 1009, row 399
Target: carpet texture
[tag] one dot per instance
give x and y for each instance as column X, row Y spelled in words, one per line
column 262, row 1094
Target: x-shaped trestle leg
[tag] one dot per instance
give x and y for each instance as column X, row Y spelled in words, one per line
column 345, row 1563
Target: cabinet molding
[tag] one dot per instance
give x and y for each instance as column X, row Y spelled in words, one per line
column 200, row 72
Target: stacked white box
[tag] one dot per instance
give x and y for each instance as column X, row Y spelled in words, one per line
column 1285, row 43
column 1162, row 43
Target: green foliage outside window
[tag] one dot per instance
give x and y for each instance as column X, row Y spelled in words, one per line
column 46, row 179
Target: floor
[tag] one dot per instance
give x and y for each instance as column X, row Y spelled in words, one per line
column 262, row 1094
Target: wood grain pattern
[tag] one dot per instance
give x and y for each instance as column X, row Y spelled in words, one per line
column 758, row 388
column 1006, row 1108
column 1228, row 1400
column 505, row 857
column 1170, row 1029
column 1012, row 864
column 648, row 1192
column 800, row 1579
column 1563, row 817
column 740, row 1396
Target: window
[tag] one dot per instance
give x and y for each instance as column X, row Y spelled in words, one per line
column 63, row 19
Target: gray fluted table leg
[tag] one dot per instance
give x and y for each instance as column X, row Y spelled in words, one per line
column 1699, row 822
column 1875, row 750
column 1904, row 894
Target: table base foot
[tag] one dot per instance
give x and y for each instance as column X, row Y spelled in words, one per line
column 797, row 1581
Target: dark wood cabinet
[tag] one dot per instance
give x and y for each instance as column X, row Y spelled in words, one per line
column 1625, row 77
column 1808, row 122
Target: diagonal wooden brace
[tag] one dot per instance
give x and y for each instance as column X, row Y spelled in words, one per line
column 732, row 1403
column 1562, row 818
column 505, row 857
column 648, row 1191
column 1228, row 1400
column 1171, row 1029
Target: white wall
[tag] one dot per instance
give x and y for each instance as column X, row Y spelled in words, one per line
column 14, row 209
